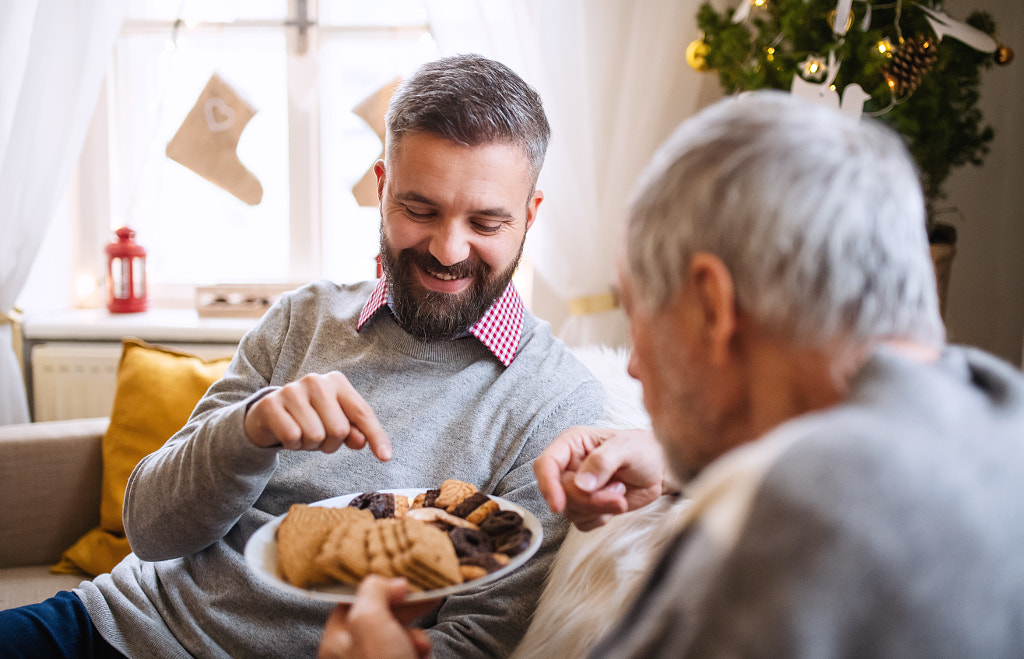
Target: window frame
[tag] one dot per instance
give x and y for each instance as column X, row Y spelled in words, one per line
column 98, row 177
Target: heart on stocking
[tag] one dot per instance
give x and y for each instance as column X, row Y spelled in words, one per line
column 219, row 115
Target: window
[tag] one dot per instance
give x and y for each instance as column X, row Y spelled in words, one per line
column 303, row 65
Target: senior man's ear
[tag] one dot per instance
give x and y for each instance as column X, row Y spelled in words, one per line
column 714, row 301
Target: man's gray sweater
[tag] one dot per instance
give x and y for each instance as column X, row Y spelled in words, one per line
column 450, row 409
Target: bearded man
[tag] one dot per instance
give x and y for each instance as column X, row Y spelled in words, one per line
column 437, row 368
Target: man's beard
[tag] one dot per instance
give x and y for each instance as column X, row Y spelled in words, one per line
column 432, row 316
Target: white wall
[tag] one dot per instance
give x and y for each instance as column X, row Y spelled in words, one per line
column 986, row 296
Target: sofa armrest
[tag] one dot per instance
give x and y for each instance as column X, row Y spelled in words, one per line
column 50, row 475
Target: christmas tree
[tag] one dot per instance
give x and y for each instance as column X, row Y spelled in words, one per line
column 916, row 69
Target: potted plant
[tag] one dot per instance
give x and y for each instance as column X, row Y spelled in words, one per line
column 917, row 69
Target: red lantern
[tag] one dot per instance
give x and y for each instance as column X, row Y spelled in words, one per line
column 126, row 274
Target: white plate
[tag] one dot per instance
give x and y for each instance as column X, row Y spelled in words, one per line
column 261, row 555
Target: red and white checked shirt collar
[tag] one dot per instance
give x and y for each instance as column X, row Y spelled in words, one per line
column 499, row 329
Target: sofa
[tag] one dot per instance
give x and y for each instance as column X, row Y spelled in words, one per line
column 50, row 477
column 50, row 488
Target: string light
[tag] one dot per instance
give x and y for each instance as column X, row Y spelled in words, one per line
column 885, row 47
column 813, row 68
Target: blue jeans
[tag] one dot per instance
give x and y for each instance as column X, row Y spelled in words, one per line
column 58, row 627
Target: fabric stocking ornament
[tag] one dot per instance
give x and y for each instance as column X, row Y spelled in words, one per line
column 372, row 110
column 207, row 139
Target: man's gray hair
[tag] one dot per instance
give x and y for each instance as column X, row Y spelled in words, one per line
column 819, row 218
column 470, row 100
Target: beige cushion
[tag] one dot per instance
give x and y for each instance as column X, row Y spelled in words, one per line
column 29, row 585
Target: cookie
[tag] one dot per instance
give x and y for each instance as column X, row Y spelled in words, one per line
column 425, row 499
column 428, row 559
column 394, row 543
column 381, row 504
column 440, row 516
column 514, row 542
column 343, row 555
column 483, row 511
column 377, row 553
column 469, row 542
column 452, row 493
column 299, row 538
column 401, row 505
column 501, row 522
column 470, row 572
column 469, row 504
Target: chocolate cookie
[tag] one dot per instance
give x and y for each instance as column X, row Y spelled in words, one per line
column 381, row 504
column 470, row 542
column 469, row 504
column 430, row 496
column 514, row 542
column 501, row 522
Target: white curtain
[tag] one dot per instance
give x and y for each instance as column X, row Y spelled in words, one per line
column 53, row 56
column 615, row 82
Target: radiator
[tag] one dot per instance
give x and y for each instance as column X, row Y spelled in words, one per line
column 77, row 380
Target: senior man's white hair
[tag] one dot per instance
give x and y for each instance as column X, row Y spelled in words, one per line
column 818, row 217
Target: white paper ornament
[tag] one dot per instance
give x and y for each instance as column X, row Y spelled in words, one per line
column 853, row 98
column 972, row 36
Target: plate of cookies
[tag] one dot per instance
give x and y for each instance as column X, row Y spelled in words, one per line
column 443, row 540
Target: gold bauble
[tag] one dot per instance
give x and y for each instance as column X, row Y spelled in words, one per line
column 1004, row 55
column 696, row 55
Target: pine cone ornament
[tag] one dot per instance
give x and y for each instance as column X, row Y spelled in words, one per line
column 911, row 60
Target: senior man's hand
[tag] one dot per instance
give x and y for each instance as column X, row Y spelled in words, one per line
column 592, row 474
column 375, row 626
column 317, row 412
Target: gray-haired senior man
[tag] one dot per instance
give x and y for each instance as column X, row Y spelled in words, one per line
column 437, row 369
column 856, row 483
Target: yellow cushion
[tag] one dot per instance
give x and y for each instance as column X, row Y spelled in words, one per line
column 157, row 388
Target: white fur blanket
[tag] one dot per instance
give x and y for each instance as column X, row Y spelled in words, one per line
column 595, row 575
